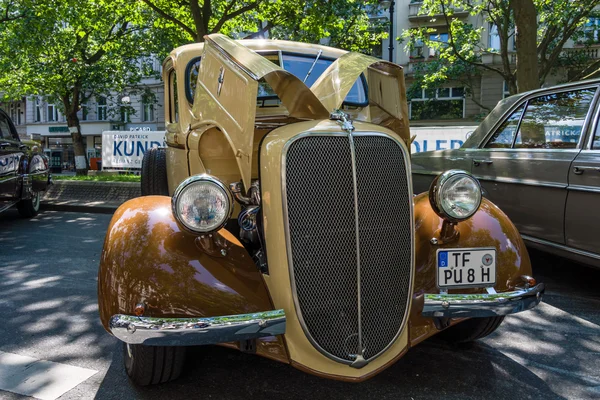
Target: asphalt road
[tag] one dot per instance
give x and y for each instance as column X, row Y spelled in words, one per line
column 48, row 311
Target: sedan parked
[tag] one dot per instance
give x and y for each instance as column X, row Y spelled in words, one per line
column 537, row 156
column 24, row 172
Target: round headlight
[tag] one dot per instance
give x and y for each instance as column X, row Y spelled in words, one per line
column 202, row 204
column 455, row 195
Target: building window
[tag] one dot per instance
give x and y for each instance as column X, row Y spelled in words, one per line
column 38, row 110
column 84, row 112
column 440, row 38
column 102, row 109
column 494, row 38
column 591, row 32
column 417, row 50
column 52, row 113
column 147, row 108
column 442, row 103
column 15, row 113
column 125, row 114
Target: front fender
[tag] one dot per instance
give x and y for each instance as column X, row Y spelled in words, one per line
column 489, row 227
column 148, row 259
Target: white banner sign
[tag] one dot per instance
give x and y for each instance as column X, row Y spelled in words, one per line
column 123, row 149
column 439, row 138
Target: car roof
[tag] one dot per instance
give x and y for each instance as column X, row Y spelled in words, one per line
column 506, row 105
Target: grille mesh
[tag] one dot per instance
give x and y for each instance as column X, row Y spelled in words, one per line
column 322, row 235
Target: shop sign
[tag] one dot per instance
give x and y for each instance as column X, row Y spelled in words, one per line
column 122, row 149
column 58, row 129
column 437, row 138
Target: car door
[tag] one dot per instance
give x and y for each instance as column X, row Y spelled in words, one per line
column 524, row 166
column 582, row 216
column 9, row 158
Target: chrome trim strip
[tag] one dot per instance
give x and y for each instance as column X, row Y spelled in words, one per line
column 360, row 361
column 482, row 305
column 406, row 154
column 561, row 247
column 582, row 188
column 196, row 331
column 528, row 182
column 426, row 172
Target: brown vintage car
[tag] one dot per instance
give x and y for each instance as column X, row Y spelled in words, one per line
column 24, row 172
column 537, row 156
column 280, row 221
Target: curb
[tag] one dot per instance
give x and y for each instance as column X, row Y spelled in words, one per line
column 78, row 208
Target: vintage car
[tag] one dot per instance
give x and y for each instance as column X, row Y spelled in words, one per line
column 280, row 221
column 24, row 172
column 537, row 156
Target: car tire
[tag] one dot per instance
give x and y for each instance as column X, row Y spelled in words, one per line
column 30, row 207
column 471, row 329
column 154, row 172
column 150, row 365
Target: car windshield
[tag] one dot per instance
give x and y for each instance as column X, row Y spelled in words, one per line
column 297, row 64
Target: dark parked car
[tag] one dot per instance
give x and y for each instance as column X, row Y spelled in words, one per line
column 23, row 171
column 537, row 156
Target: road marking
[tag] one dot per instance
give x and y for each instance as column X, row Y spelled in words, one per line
column 42, row 379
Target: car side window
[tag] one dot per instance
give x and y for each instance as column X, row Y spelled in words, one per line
column 554, row 121
column 5, row 131
column 504, row 136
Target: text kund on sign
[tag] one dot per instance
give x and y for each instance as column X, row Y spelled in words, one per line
column 123, row 149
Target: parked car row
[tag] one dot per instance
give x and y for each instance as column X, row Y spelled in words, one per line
column 24, row 172
column 537, row 156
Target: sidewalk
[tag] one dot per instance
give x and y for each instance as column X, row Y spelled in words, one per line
column 94, row 197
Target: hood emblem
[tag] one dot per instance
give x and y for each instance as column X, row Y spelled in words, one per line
column 343, row 119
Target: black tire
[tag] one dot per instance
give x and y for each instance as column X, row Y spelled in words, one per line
column 471, row 329
column 154, row 172
column 30, row 207
column 149, row 365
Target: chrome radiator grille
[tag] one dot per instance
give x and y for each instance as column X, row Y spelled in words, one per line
column 349, row 305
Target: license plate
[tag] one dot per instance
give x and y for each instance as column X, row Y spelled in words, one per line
column 459, row 268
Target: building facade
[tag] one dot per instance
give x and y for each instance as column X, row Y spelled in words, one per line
column 453, row 105
column 139, row 109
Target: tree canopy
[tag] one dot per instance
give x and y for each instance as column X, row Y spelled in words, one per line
column 542, row 28
column 345, row 22
column 71, row 50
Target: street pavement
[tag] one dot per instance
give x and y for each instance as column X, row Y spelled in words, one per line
column 48, row 309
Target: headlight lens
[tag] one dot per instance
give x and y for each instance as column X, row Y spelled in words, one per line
column 455, row 195
column 202, row 204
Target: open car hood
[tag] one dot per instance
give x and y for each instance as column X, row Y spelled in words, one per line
column 227, row 89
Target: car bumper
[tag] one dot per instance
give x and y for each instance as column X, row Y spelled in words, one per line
column 196, row 331
column 482, row 305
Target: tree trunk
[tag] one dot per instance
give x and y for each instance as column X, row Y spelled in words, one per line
column 81, row 162
column 526, row 35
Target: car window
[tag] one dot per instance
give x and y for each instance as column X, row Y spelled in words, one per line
column 554, row 121
column 300, row 65
column 504, row 136
column 5, row 132
column 596, row 143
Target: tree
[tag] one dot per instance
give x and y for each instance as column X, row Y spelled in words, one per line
column 345, row 22
column 543, row 28
column 70, row 51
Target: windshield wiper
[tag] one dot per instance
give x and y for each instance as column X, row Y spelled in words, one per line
column 312, row 66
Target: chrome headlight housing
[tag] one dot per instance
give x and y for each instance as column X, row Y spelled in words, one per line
column 455, row 195
column 202, row 204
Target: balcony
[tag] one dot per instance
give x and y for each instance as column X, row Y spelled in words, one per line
column 415, row 7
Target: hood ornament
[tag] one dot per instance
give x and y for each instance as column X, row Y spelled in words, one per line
column 343, row 119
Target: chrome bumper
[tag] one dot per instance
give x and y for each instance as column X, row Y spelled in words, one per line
column 481, row 305
column 196, row 331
